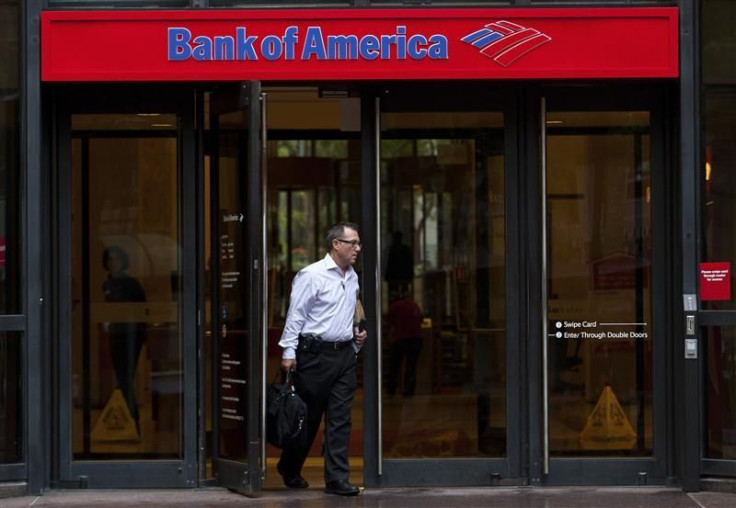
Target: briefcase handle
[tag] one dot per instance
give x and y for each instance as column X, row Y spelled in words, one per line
column 285, row 377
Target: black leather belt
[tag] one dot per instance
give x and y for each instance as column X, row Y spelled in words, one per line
column 314, row 344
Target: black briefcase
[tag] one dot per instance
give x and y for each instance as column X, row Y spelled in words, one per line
column 286, row 415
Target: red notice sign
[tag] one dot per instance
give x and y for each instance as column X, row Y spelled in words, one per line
column 715, row 281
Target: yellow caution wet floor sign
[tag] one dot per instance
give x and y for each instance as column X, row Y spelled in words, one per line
column 115, row 422
column 608, row 427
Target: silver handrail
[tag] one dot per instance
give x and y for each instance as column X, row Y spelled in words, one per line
column 264, row 282
column 545, row 321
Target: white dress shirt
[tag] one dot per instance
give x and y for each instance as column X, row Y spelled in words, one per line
column 322, row 303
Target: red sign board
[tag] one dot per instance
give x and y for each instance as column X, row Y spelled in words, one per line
column 359, row 44
column 715, row 281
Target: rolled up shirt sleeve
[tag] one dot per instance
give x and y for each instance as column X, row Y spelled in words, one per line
column 302, row 299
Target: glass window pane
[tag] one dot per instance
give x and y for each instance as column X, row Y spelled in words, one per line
column 439, row 3
column 11, row 398
column 443, row 236
column 718, row 41
column 720, row 380
column 720, row 186
column 127, row 351
column 607, row 2
column 10, row 240
column 130, row 4
column 599, row 254
column 281, row 3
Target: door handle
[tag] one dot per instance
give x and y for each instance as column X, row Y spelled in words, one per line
column 264, row 283
column 545, row 313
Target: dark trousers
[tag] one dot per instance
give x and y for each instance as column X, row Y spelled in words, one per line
column 326, row 381
column 404, row 348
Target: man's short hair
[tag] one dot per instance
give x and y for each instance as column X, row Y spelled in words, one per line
column 337, row 231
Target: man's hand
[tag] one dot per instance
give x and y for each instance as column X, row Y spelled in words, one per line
column 288, row 364
column 358, row 336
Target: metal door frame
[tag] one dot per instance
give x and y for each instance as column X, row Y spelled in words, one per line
column 124, row 473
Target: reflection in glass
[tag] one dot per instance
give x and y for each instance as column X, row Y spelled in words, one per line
column 719, row 174
column 11, row 398
column 10, row 244
column 126, row 342
column 599, row 283
column 720, row 351
column 11, row 347
column 443, row 261
column 717, row 39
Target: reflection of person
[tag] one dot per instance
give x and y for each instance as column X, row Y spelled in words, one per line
column 320, row 345
column 404, row 318
column 126, row 339
column 399, row 264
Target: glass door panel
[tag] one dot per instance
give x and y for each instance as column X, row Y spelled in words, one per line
column 600, row 335
column 443, row 234
column 237, row 284
column 127, row 363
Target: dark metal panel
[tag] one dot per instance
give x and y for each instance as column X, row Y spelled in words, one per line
column 711, row 467
column 602, row 96
column 189, row 287
column 233, row 475
column 13, row 472
column 126, row 98
column 127, row 474
column 214, row 281
column 201, row 284
column 716, row 318
column 37, row 415
column 371, row 285
column 672, row 287
column 533, row 223
column 605, row 472
column 62, row 306
column 12, row 323
column 254, row 205
column 515, row 263
column 445, row 473
column 661, row 284
column 689, row 381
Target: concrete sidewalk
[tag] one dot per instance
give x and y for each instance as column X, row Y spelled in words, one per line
column 496, row 497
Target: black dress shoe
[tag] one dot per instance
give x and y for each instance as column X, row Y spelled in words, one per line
column 293, row 481
column 341, row 488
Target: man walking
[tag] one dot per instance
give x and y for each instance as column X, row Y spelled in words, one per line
column 320, row 344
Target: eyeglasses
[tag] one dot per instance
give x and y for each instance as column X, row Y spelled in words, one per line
column 354, row 243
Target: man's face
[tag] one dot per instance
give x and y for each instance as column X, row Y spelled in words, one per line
column 347, row 247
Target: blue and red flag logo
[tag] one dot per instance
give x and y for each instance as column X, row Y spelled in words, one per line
column 505, row 42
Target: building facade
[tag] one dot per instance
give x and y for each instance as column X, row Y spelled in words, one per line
column 546, row 181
